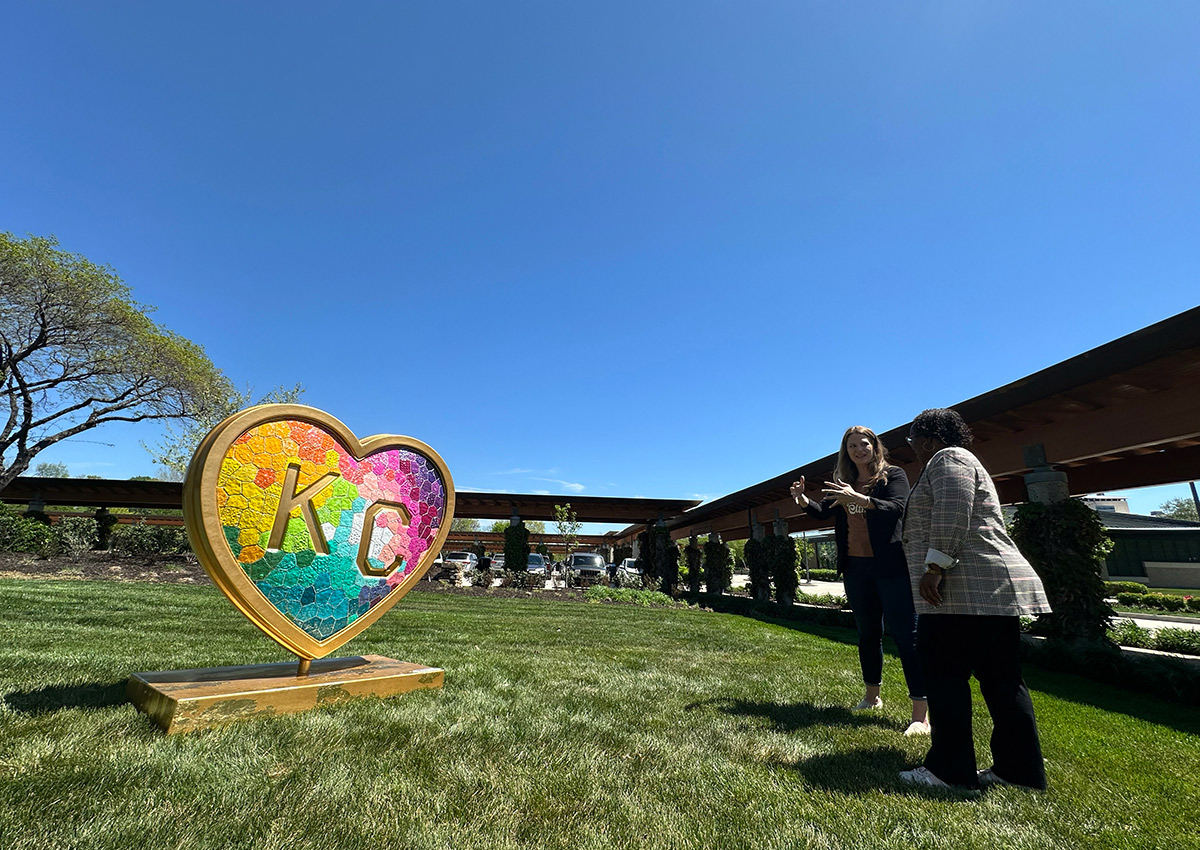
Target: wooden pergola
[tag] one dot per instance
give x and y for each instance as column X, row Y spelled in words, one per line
column 1123, row 415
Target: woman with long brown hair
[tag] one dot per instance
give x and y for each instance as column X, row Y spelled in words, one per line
column 866, row 500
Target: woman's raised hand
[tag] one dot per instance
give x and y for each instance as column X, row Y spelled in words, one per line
column 841, row 493
column 798, row 492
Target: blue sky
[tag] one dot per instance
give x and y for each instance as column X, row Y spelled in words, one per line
column 644, row 249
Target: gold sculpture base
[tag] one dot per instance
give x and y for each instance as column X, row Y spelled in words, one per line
column 185, row 700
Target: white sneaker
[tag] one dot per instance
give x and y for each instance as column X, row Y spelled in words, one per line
column 868, row 705
column 921, row 776
column 916, row 728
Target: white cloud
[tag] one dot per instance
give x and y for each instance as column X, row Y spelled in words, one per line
column 568, row 485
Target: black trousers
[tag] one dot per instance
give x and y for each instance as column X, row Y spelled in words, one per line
column 951, row 647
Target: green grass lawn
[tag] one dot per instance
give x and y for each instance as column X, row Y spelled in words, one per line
column 561, row 725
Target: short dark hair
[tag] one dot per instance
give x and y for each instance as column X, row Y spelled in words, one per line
column 945, row 424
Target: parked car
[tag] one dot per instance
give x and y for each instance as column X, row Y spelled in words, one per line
column 537, row 564
column 468, row 561
column 498, row 561
column 630, row 567
column 587, row 564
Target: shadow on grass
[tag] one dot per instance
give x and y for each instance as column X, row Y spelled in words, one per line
column 59, row 697
column 864, row 771
column 1076, row 689
column 791, row 717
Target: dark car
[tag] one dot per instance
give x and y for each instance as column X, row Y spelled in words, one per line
column 587, row 564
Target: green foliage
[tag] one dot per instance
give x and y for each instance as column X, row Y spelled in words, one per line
column 819, row 575
column 75, row 535
column 174, row 452
column 1066, row 543
column 661, row 561
column 76, row 351
column 693, row 556
column 1157, row 601
column 760, row 570
column 464, row 524
column 1180, row 508
column 51, row 470
column 1182, row 641
column 1112, row 588
column 481, row 576
column 781, row 561
column 516, row 547
column 831, row 600
column 144, row 540
column 629, row 596
column 717, row 573
column 23, row 535
column 568, row 525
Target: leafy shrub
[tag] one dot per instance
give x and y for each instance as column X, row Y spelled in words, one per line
column 644, row 598
column 21, row 534
column 516, row 546
column 760, row 569
column 820, row 575
column 781, row 561
column 144, row 540
column 829, row 600
column 717, row 573
column 1171, row 603
column 1135, row 600
column 1066, row 543
column 632, row 581
column 75, row 535
column 1112, row 588
column 1183, row 641
column 1192, row 603
column 694, row 556
column 524, row 579
column 481, row 576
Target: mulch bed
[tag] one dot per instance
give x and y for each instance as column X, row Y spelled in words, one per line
column 165, row 569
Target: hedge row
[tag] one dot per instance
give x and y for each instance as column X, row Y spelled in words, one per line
column 1159, row 601
column 75, row 535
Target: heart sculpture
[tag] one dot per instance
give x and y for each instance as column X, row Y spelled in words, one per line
column 310, row 532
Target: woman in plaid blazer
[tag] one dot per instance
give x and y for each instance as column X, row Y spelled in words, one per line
column 970, row 586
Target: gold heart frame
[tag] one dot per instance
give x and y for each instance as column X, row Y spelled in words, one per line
column 207, row 534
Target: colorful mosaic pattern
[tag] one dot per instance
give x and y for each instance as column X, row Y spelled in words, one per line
column 325, row 593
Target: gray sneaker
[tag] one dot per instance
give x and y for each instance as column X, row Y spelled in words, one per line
column 921, row 776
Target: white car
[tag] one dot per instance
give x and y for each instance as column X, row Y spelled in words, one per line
column 498, row 561
column 466, row 561
column 630, row 567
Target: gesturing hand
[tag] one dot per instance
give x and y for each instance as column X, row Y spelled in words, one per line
column 842, row 493
column 798, row 492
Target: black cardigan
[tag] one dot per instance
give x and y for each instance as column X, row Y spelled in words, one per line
column 883, row 522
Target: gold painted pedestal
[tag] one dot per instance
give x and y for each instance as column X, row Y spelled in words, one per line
column 184, row 700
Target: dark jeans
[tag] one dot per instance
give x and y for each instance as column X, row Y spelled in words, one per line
column 879, row 597
column 951, row 648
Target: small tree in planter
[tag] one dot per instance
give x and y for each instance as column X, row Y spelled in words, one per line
column 760, row 570
column 1066, row 543
column 516, row 548
column 717, row 572
column 781, row 562
column 694, row 556
column 664, row 558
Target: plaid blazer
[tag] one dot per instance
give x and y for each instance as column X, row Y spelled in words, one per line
column 953, row 519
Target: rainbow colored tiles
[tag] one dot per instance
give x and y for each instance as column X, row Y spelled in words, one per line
column 325, row 537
